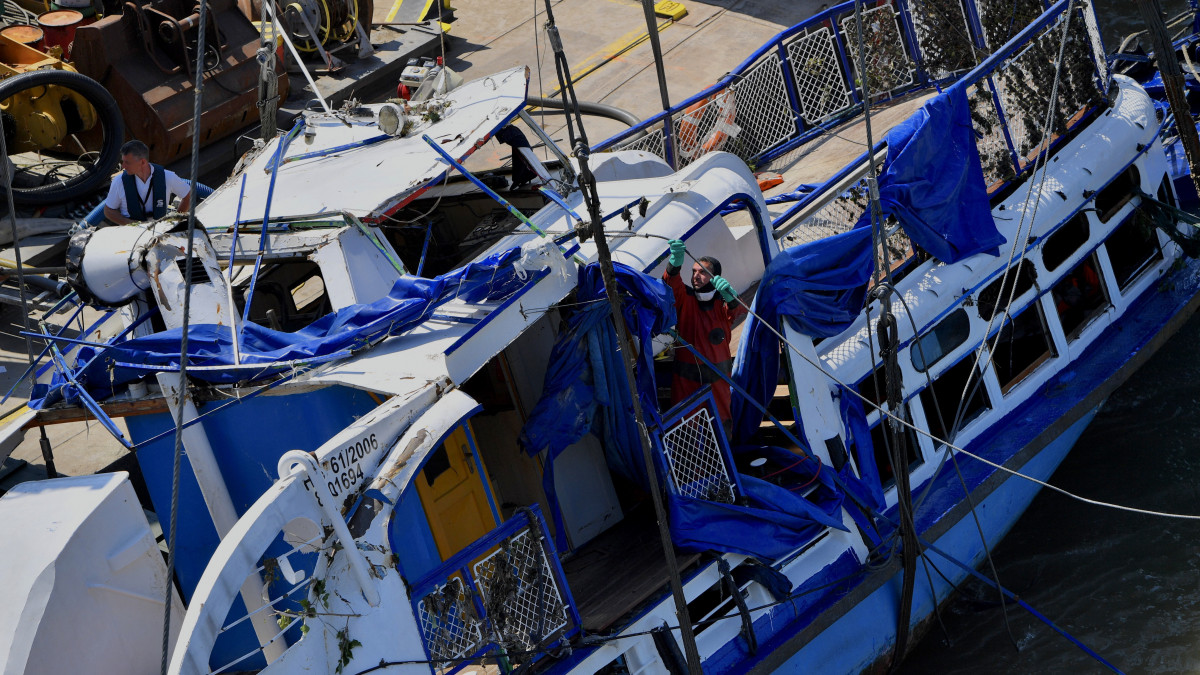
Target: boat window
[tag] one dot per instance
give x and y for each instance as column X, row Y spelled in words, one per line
column 944, row 402
column 883, row 462
column 288, row 296
column 994, row 297
column 1022, row 345
column 1117, row 193
column 1080, row 297
column 943, row 339
column 1132, row 248
column 1065, row 241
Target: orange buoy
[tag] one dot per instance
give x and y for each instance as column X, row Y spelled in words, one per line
column 58, row 28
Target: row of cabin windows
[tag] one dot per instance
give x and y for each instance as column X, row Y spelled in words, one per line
column 958, row 395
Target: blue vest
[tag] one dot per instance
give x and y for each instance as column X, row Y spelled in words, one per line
column 158, row 193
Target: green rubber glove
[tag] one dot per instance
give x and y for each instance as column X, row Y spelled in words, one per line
column 722, row 286
column 677, row 250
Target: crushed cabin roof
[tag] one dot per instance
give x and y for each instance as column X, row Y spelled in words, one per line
column 372, row 179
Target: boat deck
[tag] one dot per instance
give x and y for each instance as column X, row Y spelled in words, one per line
column 620, row 569
column 821, row 158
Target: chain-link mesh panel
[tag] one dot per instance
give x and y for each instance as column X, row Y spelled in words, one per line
column 745, row 118
column 1025, row 82
column 520, row 592
column 820, row 86
column 836, row 217
column 448, row 622
column 995, row 157
column 943, row 36
column 651, row 142
column 1002, row 19
column 695, row 459
column 889, row 67
column 1093, row 29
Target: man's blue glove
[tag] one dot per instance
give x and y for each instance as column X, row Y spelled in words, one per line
column 722, row 286
column 677, row 250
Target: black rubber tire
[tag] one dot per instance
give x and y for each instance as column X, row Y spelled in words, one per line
column 111, row 122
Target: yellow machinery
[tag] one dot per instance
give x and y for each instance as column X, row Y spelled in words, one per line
column 42, row 116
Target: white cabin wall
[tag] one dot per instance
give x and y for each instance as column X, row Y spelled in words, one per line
column 354, row 270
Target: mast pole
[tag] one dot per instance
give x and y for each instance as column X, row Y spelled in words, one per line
column 604, row 256
column 1172, row 77
column 656, row 48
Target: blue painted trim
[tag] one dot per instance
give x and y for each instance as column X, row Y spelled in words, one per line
column 483, row 477
column 491, row 315
column 454, row 319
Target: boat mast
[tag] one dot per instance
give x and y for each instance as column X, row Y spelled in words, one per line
column 1172, row 77
column 595, row 228
column 656, row 47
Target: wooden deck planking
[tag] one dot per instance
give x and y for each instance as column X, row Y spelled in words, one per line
column 619, row 570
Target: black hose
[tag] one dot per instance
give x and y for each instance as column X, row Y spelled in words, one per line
column 110, row 121
column 58, row 288
column 589, row 108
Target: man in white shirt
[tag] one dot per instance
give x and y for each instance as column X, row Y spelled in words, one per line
column 143, row 190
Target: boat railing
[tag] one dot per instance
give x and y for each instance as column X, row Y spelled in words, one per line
column 697, row 460
column 805, row 81
column 1008, row 93
column 505, row 595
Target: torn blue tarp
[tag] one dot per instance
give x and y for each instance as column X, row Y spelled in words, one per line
column 773, row 517
column 585, row 388
column 411, row 301
column 933, row 184
column 819, row 289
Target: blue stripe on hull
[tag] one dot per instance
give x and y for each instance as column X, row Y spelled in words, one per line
column 868, row 631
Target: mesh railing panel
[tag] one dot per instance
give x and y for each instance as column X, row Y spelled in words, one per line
column 943, row 36
column 652, row 142
column 449, row 624
column 520, row 592
column 889, row 66
column 820, row 85
column 1003, row 19
column 1094, row 36
column 836, row 217
column 1025, row 82
column 995, row 157
column 745, row 118
column 695, row 460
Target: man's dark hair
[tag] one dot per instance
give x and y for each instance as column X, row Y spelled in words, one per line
column 712, row 264
column 136, row 148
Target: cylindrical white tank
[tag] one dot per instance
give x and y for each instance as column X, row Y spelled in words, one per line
column 105, row 265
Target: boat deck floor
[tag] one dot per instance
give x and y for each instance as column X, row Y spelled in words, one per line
column 822, row 157
column 617, row 571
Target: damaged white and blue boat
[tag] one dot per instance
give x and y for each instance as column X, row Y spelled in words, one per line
column 389, row 472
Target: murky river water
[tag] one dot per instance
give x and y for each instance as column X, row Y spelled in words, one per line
column 1126, row 585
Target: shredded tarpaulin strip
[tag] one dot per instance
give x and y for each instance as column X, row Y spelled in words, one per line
column 933, row 184
column 411, row 301
column 585, row 376
column 771, row 519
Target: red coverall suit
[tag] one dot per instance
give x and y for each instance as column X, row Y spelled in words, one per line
column 706, row 326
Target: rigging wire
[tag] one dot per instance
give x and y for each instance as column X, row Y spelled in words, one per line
column 172, row 551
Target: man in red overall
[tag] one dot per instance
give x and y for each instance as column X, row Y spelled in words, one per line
column 706, row 311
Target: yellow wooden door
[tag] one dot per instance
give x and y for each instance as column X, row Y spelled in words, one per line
column 453, row 494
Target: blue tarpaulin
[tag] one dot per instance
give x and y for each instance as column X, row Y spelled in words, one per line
column 933, row 184
column 819, row 289
column 410, row 301
column 585, row 387
column 585, row 393
column 772, row 518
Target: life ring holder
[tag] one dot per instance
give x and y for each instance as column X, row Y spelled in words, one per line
column 690, row 145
